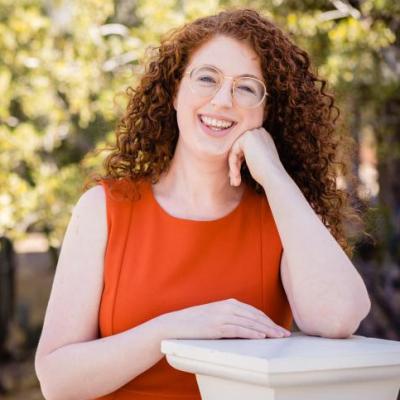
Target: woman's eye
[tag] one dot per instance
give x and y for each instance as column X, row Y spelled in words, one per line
column 207, row 79
column 247, row 89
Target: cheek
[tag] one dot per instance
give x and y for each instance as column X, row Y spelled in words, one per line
column 187, row 106
column 253, row 119
column 181, row 108
column 183, row 100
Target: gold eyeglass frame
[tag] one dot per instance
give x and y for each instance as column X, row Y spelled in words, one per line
column 234, row 79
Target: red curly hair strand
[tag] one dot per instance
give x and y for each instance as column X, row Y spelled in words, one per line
column 299, row 114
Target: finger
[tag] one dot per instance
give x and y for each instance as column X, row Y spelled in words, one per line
column 237, row 176
column 236, row 331
column 251, row 309
column 234, row 161
column 258, row 326
column 264, row 322
column 234, row 169
column 248, row 311
column 239, row 161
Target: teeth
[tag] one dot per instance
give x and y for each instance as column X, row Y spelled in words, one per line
column 217, row 123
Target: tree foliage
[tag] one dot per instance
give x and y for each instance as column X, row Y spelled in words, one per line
column 65, row 65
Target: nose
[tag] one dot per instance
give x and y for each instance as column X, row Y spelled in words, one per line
column 223, row 97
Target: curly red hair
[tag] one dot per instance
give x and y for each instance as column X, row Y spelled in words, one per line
column 300, row 115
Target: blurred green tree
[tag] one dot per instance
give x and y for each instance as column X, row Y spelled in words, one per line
column 64, row 63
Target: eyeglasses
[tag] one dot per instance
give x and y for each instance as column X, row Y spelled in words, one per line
column 247, row 92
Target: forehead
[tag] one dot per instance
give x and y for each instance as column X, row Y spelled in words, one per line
column 231, row 56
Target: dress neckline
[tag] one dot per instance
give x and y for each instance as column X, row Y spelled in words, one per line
column 196, row 221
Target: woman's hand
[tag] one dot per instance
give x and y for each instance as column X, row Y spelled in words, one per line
column 221, row 319
column 257, row 147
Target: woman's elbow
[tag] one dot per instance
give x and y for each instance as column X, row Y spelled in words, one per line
column 349, row 324
column 40, row 374
column 339, row 326
column 47, row 386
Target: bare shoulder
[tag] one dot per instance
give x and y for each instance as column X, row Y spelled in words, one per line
column 92, row 201
column 72, row 311
column 89, row 219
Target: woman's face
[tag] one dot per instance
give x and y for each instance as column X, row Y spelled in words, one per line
column 196, row 115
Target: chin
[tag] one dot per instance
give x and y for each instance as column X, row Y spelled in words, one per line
column 209, row 150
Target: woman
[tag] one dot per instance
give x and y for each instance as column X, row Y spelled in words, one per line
column 218, row 217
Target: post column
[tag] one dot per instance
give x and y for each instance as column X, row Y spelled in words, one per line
column 300, row 367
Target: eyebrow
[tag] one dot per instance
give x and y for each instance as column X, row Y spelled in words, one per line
column 236, row 76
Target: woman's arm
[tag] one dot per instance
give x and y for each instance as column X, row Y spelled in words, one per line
column 71, row 362
column 327, row 295
column 98, row 367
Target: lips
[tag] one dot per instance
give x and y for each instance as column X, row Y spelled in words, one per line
column 215, row 131
column 216, row 122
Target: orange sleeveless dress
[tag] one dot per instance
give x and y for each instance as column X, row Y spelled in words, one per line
column 156, row 263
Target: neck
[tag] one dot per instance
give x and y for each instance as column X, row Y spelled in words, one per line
column 196, row 181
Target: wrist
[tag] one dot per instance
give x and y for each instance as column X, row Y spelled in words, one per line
column 163, row 327
column 274, row 175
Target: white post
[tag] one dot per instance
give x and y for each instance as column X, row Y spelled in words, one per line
column 296, row 368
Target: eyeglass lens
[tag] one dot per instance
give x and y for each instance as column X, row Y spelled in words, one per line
column 247, row 92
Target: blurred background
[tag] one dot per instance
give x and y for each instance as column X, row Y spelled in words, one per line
column 64, row 65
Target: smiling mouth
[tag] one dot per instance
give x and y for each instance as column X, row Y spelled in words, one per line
column 216, row 124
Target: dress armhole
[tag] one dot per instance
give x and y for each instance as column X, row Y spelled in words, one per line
column 108, row 206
